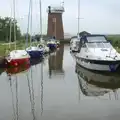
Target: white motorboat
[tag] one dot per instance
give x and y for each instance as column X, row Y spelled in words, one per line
column 97, row 53
column 74, row 44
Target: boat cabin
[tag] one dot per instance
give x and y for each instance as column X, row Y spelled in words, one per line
column 95, row 41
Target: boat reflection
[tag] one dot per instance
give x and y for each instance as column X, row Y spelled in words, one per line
column 96, row 83
column 35, row 61
column 55, row 62
column 32, row 100
column 1, row 70
column 17, row 70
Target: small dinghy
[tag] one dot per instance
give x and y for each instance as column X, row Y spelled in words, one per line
column 97, row 53
column 52, row 44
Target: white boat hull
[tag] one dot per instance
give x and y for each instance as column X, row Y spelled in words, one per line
column 74, row 49
column 74, row 45
column 97, row 67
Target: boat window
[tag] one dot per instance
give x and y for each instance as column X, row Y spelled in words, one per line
column 96, row 39
column 104, row 45
column 107, row 45
column 99, row 45
column 91, row 45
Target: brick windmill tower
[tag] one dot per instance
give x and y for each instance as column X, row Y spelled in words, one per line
column 55, row 23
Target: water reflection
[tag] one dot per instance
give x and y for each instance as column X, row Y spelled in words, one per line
column 27, row 74
column 35, row 61
column 14, row 97
column 96, row 83
column 41, row 88
column 56, row 62
column 17, row 70
column 31, row 95
column 1, row 71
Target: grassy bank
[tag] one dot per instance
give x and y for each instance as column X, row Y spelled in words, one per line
column 65, row 41
column 4, row 47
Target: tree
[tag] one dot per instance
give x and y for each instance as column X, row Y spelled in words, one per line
column 5, row 29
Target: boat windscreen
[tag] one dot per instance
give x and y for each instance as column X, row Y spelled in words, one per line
column 99, row 45
column 96, row 39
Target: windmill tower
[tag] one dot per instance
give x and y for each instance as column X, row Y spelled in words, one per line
column 55, row 23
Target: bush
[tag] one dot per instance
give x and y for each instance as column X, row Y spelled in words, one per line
column 115, row 40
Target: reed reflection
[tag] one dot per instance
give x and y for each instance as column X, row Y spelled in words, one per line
column 97, row 83
column 55, row 62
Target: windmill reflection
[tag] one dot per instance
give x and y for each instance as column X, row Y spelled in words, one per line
column 56, row 62
column 96, row 83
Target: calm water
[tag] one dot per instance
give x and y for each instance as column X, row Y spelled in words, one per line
column 58, row 89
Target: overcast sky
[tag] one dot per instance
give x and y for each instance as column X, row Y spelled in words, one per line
column 99, row 16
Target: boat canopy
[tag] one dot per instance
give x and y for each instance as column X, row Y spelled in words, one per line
column 93, row 38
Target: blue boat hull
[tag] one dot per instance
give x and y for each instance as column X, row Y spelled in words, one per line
column 35, row 54
column 35, row 61
column 52, row 46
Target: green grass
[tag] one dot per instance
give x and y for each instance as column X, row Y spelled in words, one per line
column 5, row 47
column 19, row 45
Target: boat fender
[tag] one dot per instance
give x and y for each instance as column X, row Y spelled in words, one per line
column 112, row 68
